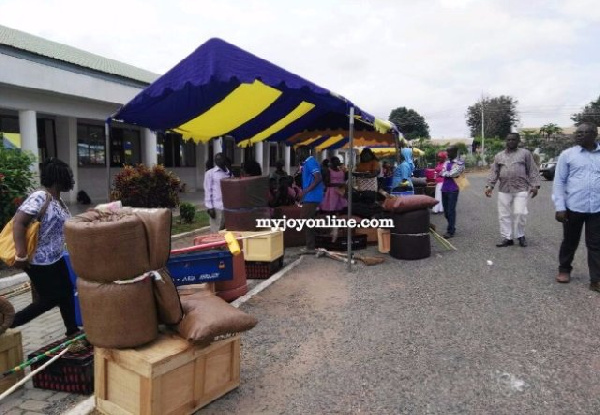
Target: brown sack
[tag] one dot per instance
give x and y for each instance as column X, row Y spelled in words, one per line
column 157, row 223
column 245, row 192
column 408, row 203
column 245, row 219
column 167, row 299
column 107, row 247
column 208, row 316
column 118, row 315
column 7, row 314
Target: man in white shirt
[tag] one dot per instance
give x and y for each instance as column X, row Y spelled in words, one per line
column 213, row 198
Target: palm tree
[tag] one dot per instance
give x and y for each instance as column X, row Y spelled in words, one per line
column 550, row 130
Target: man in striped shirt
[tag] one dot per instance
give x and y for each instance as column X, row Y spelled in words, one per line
column 519, row 177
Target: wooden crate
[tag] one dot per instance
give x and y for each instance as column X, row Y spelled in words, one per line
column 11, row 355
column 264, row 248
column 169, row 376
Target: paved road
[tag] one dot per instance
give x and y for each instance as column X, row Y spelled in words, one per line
column 446, row 335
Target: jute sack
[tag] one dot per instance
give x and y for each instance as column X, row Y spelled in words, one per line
column 207, row 316
column 167, row 299
column 118, row 315
column 245, row 192
column 106, row 247
column 7, row 314
column 157, row 223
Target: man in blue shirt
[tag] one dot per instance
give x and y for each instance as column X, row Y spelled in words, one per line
column 312, row 192
column 576, row 196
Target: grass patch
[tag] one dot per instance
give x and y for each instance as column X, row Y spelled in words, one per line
column 200, row 220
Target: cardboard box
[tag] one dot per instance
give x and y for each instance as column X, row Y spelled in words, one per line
column 11, row 355
column 168, row 376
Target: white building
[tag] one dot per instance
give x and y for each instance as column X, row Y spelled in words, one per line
column 54, row 100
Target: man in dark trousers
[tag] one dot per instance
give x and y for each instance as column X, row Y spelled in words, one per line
column 518, row 177
column 453, row 168
column 576, row 196
column 213, row 198
column 312, row 192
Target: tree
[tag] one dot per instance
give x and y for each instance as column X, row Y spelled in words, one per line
column 410, row 123
column 590, row 113
column 499, row 116
column 549, row 130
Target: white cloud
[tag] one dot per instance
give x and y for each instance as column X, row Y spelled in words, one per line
column 435, row 57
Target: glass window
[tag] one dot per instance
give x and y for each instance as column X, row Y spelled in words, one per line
column 125, row 146
column 173, row 151
column 90, row 145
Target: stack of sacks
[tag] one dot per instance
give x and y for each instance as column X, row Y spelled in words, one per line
column 123, row 286
column 409, row 239
column 244, row 201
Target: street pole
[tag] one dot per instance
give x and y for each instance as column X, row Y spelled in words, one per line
column 482, row 135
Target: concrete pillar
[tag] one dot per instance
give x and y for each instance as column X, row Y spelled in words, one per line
column 218, row 145
column 149, row 153
column 287, row 159
column 258, row 154
column 266, row 166
column 201, row 159
column 29, row 138
column 66, row 142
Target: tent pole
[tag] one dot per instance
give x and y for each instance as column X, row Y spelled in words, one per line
column 350, row 170
column 107, row 157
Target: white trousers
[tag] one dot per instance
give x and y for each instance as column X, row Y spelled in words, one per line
column 218, row 222
column 439, row 208
column 512, row 214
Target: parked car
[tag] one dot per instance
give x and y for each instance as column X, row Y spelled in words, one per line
column 547, row 169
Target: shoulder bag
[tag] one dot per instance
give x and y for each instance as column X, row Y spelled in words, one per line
column 7, row 242
column 462, row 182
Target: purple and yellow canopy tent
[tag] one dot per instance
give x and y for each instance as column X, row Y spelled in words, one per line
column 220, row 89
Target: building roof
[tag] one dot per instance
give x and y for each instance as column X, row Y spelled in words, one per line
column 39, row 46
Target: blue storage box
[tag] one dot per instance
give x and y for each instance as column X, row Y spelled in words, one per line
column 73, row 278
column 199, row 267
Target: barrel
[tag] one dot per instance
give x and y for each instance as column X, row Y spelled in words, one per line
column 410, row 247
column 236, row 287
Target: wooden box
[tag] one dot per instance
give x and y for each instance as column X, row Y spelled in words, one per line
column 11, row 355
column 168, row 376
column 264, row 248
column 383, row 240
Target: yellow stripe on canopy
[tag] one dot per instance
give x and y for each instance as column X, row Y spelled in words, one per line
column 382, row 126
column 308, row 141
column 329, row 142
column 390, row 151
column 240, row 106
column 302, row 109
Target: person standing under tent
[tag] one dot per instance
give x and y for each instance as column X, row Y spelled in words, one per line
column 213, row 198
column 312, row 192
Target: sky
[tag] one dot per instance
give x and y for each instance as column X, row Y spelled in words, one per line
column 437, row 57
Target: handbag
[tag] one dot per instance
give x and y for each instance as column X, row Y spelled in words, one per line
column 7, row 242
column 462, row 182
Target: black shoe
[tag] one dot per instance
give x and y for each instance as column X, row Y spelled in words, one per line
column 505, row 242
column 523, row 241
column 448, row 235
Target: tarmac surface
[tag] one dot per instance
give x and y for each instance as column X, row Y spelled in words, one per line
column 448, row 334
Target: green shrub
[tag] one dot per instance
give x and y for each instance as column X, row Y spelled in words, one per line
column 187, row 212
column 140, row 186
column 16, row 180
